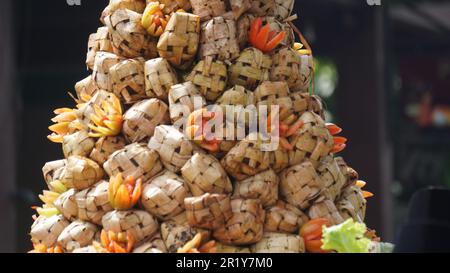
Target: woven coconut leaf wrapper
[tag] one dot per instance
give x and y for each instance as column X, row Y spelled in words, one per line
column 182, row 102
column 106, row 146
column 245, row 226
column 46, row 230
column 172, row 146
column 140, row 224
column 279, row 243
column 237, row 95
column 85, row 250
column 66, row 204
column 325, row 209
column 164, row 195
column 304, row 102
column 312, row 142
column 221, row 248
column 153, row 245
column 249, row 157
column 99, row 41
column 78, row 143
column 219, row 40
column 332, row 177
column 284, row 218
column 128, row 81
column 273, row 93
column 176, row 232
column 237, row 8
column 179, row 42
column 204, row 174
column 53, row 170
column 134, row 160
column 209, row 211
column 100, row 74
column 77, row 235
column 250, row 69
column 210, row 77
column 80, row 173
column 92, row 204
column 262, row 8
column 352, row 204
column 159, row 78
column 351, row 176
column 243, row 28
column 133, row 5
column 142, row 118
column 293, row 68
column 283, row 9
column 208, row 9
column 85, row 87
column 129, row 39
column 263, row 186
column 174, row 5
column 300, row 185
column 85, row 112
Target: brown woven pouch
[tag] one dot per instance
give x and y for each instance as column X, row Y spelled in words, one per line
column 92, row 204
column 99, row 41
column 263, row 186
column 53, row 170
column 80, row 173
column 182, row 99
column 142, row 118
column 45, row 230
column 66, row 203
column 273, row 93
column 78, row 143
column 203, row 173
column 209, row 211
column 332, row 177
column 159, row 78
column 262, row 8
column 77, row 235
column 245, row 226
column 179, row 42
column 219, row 40
column 127, row 80
column 85, row 87
column 100, row 74
column 284, row 218
column 351, row 176
column 153, row 245
column 300, row 185
column 133, row 5
column 352, row 204
column 134, row 160
column 279, row 243
column 325, row 209
column 164, row 195
column 106, row 146
column 208, row 9
column 210, row 77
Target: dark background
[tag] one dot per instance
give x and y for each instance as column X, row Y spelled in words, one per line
column 383, row 70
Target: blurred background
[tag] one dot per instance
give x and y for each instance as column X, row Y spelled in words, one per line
column 383, row 70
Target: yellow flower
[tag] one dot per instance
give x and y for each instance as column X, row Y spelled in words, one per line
column 107, row 120
column 299, row 48
column 124, row 194
column 154, row 20
column 112, row 242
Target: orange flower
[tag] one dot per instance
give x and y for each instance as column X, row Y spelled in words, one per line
column 65, row 123
column 311, row 232
column 124, row 194
column 262, row 38
column 154, row 20
column 112, row 242
column 196, row 123
column 339, row 142
column 361, row 184
column 39, row 248
column 195, row 246
column 107, row 120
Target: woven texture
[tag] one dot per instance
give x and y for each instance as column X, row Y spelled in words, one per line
column 351, row 176
column 325, row 209
column 210, row 77
column 295, row 69
column 140, row 224
column 312, row 142
column 283, row 9
column 53, row 170
column 99, row 41
column 153, row 245
column 263, row 186
column 174, row 5
column 66, row 203
column 179, row 42
column 80, row 173
column 352, row 204
column 262, row 7
column 159, row 78
column 279, row 243
column 209, row 211
column 46, row 230
column 92, row 204
column 250, row 69
column 127, row 80
column 134, row 160
column 133, row 5
column 183, row 100
column 285, row 218
column 85, row 112
column 85, row 87
column 332, row 178
column 77, row 235
column 219, row 39
column 245, row 226
column 142, row 118
column 204, row 174
column 78, row 143
column 300, row 185
column 172, row 146
column 304, row 102
column 208, row 9
column 278, row 26
column 237, row 95
column 100, row 74
column 128, row 37
column 106, row 146
column 238, row 7
column 221, row 248
column 273, row 93
column 164, row 195
column 243, row 28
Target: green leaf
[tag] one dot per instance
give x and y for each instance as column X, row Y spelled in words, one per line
column 347, row 237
